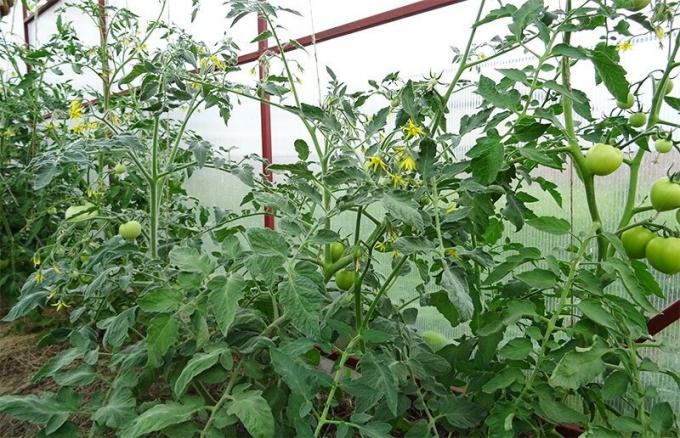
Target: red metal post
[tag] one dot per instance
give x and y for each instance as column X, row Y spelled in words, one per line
column 27, row 36
column 265, row 115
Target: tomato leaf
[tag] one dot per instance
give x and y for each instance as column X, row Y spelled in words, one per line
column 253, row 411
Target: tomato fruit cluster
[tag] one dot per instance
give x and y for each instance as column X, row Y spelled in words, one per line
column 663, row 253
column 130, row 230
column 635, row 241
column 665, row 195
column 344, row 279
column 603, row 159
column 637, row 120
column 663, row 145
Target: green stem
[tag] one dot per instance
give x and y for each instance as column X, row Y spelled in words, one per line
column 575, row 151
column 657, row 100
column 564, row 294
column 336, row 382
column 357, row 278
column 461, row 68
column 154, row 193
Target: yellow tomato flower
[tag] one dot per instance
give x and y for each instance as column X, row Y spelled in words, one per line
column 375, row 162
column 453, row 207
column 625, row 46
column 76, row 111
column 212, row 60
column 660, row 32
column 382, row 247
column 408, row 163
column 60, row 305
column 36, row 260
column 195, row 86
column 451, row 252
column 9, row 132
column 39, row 277
column 52, row 295
column 82, row 128
column 412, row 130
column 398, row 181
column 395, row 253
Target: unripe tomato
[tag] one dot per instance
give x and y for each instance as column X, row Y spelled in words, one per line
column 344, row 280
column 52, row 210
column 665, row 195
column 637, row 120
column 628, row 104
column 635, row 241
column 669, row 87
column 130, row 230
column 120, row 169
column 603, row 159
column 664, row 254
column 663, row 145
column 435, row 340
column 632, row 5
column 3, row 264
column 337, row 250
column 80, row 213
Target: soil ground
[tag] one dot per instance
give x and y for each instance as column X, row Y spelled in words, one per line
column 20, row 359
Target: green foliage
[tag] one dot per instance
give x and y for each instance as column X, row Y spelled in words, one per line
column 199, row 325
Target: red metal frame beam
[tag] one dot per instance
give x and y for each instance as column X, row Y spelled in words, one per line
column 668, row 316
column 358, row 25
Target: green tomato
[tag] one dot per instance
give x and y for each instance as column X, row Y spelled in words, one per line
column 4, row 263
column 632, row 5
column 628, row 104
column 635, row 241
column 130, row 230
column 337, row 250
column 120, row 169
column 663, row 145
column 665, row 195
column 664, row 254
column 637, row 120
column 344, row 280
column 669, row 87
column 80, row 213
column 603, row 159
column 435, row 340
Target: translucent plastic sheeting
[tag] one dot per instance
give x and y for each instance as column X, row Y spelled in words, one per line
column 210, row 25
column 44, row 26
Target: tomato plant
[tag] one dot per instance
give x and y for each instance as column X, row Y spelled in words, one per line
column 188, row 322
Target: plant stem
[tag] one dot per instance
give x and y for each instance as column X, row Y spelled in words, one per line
column 564, row 294
column 357, row 278
column 657, row 100
column 461, row 68
column 154, row 192
column 575, row 151
column 336, row 381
